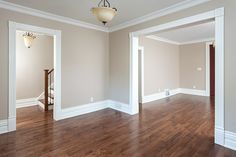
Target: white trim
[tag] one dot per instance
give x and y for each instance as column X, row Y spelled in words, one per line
column 208, row 68
column 43, row 106
column 197, row 41
column 82, row 109
column 141, row 81
column 219, row 71
column 93, row 107
column 158, row 96
column 3, row 126
column 230, row 140
column 11, row 124
column 174, row 24
column 219, row 135
column 34, row 12
column 50, row 16
column 119, row 106
column 13, row 26
column 26, row 102
column 154, row 37
column 162, row 95
column 41, row 96
column 218, row 15
column 169, row 10
column 192, row 91
column 133, row 101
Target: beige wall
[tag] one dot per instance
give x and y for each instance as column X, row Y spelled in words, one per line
column 193, row 57
column 30, row 65
column 120, row 55
column 84, row 67
column 82, row 62
column 161, row 66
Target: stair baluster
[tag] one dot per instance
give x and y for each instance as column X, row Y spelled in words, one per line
column 47, row 88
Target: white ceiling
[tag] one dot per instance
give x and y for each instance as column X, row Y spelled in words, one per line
column 194, row 33
column 80, row 9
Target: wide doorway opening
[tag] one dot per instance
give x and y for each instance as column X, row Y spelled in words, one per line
column 190, row 85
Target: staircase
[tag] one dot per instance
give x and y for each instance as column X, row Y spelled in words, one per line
column 48, row 101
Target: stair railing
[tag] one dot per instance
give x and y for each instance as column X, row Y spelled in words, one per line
column 48, row 80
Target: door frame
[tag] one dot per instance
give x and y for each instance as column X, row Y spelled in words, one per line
column 141, row 76
column 13, row 27
column 218, row 16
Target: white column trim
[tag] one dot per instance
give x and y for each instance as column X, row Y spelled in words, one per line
column 219, row 72
column 141, row 49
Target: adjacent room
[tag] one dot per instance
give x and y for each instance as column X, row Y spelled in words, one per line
column 109, row 78
column 177, row 80
column 177, row 61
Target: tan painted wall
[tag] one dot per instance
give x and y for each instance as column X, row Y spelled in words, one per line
column 84, row 67
column 192, row 57
column 161, row 66
column 30, row 65
column 120, row 55
column 78, row 68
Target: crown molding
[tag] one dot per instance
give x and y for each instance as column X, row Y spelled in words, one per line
column 34, row 12
column 172, row 9
column 154, row 37
column 50, row 16
column 198, row 41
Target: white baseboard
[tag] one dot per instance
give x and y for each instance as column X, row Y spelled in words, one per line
column 82, row 109
column 219, row 135
column 26, row 102
column 230, row 140
column 161, row 95
column 158, row 96
column 43, row 106
column 3, row 126
column 92, row 107
column 122, row 107
column 193, row 92
column 41, row 96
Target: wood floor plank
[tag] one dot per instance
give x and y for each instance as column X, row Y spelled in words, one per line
column 179, row 126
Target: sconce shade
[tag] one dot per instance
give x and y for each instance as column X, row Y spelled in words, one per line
column 28, row 39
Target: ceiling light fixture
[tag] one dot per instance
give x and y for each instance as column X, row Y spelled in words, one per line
column 28, row 39
column 104, row 12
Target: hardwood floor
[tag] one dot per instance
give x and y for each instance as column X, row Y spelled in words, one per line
column 181, row 126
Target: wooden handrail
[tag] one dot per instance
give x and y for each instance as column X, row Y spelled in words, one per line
column 47, row 83
column 46, row 89
column 50, row 71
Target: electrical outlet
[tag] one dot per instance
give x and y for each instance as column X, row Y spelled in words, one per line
column 91, row 99
column 159, row 89
column 194, row 87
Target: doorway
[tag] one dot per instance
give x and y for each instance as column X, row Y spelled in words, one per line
column 218, row 16
column 34, row 61
column 56, row 34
